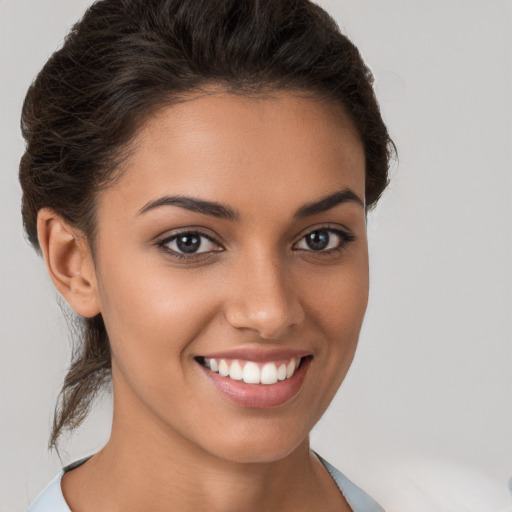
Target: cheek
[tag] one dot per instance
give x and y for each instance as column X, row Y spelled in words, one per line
column 339, row 297
column 344, row 306
column 337, row 305
column 151, row 313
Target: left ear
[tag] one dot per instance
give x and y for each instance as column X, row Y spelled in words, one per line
column 69, row 262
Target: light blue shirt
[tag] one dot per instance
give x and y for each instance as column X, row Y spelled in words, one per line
column 50, row 499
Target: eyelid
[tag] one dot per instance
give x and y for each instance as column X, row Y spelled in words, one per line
column 169, row 234
column 162, row 242
column 329, row 226
column 346, row 235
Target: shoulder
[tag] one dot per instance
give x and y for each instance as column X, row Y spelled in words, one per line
column 358, row 500
column 50, row 499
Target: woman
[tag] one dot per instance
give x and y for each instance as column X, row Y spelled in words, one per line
column 197, row 177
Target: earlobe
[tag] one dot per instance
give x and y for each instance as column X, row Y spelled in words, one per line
column 69, row 262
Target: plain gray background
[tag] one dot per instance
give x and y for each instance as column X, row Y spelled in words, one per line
column 424, row 418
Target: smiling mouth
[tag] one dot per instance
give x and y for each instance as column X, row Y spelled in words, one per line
column 252, row 372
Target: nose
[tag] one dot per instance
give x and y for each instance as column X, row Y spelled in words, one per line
column 263, row 299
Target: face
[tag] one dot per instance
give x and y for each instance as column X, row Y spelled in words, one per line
column 232, row 272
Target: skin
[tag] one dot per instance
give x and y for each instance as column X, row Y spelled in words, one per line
column 177, row 443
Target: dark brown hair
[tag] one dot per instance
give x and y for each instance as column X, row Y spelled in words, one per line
column 126, row 58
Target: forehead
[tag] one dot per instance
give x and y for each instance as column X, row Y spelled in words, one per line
column 242, row 151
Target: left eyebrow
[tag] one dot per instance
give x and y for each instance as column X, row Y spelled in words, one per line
column 343, row 196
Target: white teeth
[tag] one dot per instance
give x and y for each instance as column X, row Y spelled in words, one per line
column 281, row 372
column 235, row 372
column 269, row 373
column 223, row 368
column 250, row 372
column 214, row 367
column 290, row 369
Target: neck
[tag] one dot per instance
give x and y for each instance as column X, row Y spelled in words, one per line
column 150, row 477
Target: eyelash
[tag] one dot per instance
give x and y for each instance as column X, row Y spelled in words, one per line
column 181, row 256
column 345, row 237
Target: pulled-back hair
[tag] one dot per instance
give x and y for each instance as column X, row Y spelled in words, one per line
column 126, row 58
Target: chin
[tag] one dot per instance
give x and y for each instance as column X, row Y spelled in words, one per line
column 262, row 453
column 259, row 443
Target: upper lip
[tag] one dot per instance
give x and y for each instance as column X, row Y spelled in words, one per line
column 258, row 354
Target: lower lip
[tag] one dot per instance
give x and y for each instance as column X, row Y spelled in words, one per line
column 260, row 396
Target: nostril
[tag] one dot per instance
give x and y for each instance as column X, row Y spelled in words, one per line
column 265, row 302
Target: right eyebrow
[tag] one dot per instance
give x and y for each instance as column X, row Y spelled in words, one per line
column 194, row 205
